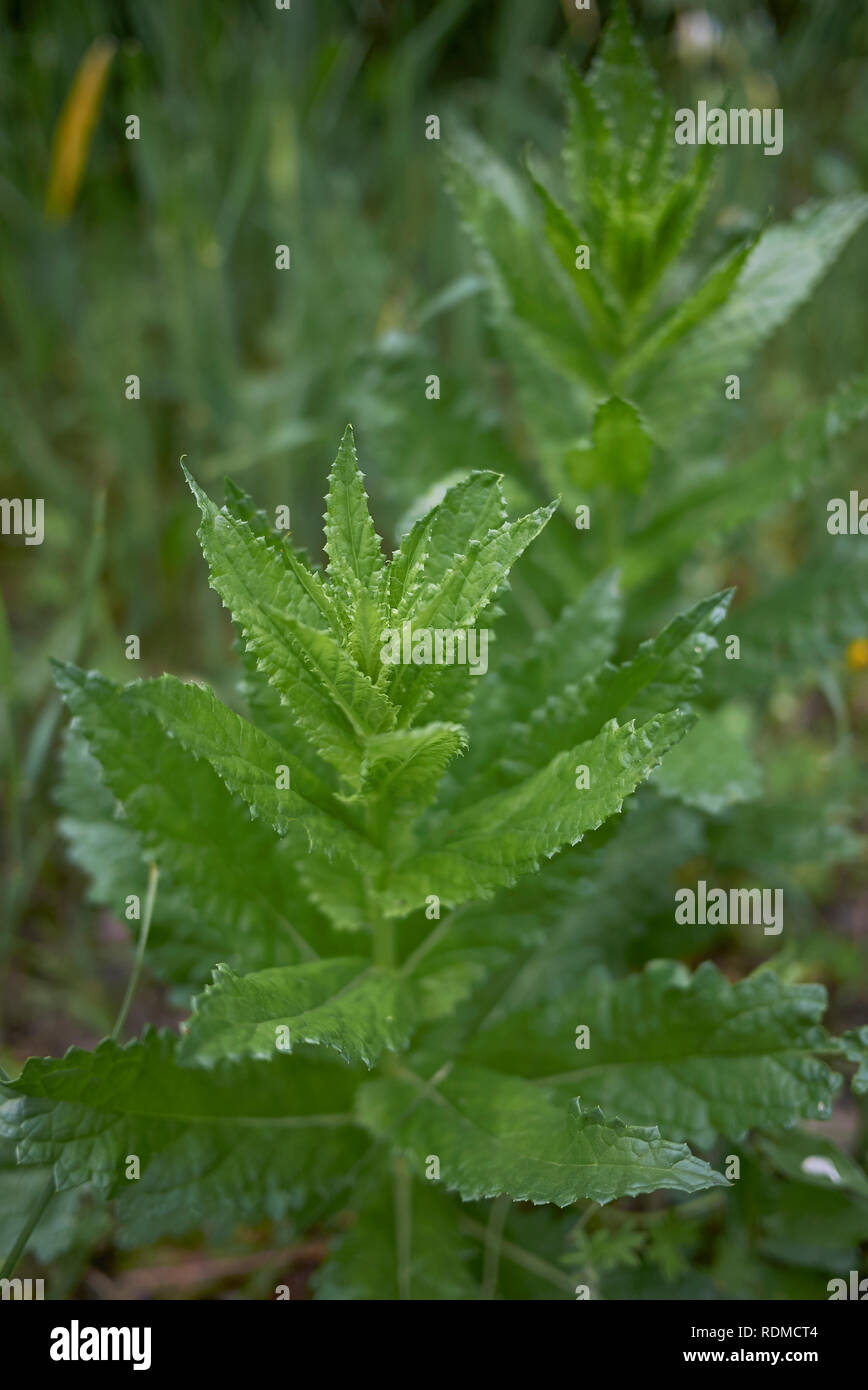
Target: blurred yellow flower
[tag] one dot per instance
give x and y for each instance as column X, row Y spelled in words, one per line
column 857, row 654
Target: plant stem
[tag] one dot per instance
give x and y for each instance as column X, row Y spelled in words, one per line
column 47, row 1192
column 431, row 940
column 384, row 942
column 493, row 1243
column 304, row 948
column 29, row 1227
column 403, row 1227
column 382, row 929
column 153, row 876
column 517, row 1255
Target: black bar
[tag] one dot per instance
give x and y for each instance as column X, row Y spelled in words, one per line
column 232, row 1336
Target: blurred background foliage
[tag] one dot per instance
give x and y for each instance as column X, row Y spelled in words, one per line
column 157, row 257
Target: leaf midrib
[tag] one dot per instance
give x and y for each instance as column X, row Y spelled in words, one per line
column 670, row 1062
column 428, row 1092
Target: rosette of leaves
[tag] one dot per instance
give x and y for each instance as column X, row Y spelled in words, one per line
column 390, row 1030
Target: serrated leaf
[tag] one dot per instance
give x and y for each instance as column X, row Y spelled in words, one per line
column 268, row 712
column 333, row 701
column 238, row 1141
column 694, row 1054
column 619, row 453
column 402, row 768
column 240, row 504
column 586, row 151
column 245, row 759
column 634, row 167
column 458, row 600
column 468, row 511
column 356, row 568
column 313, row 599
column 604, row 1249
column 71, row 1221
column 186, row 821
column 528, row 285
column 617, row 158
column 494, row 841
column 241, row 754
column 854, row 1046
column 206, row 909
column 712, row 292
column 369, row 617
column 102, row 844
column 343, row 1003
column 593, row 905
column 364, row 708
column 497, row 1135
column 475, row 575
column 351, row 543
column 627, row 94
column 581, row 639
column 334, row 884
column 565, row 239
column 780, row 273
column 663, row 674
column 677, row 213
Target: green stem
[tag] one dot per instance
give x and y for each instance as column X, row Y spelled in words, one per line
column 403, row 1227
column 304, row 948
column 47, row 1192
column 382, row 929
column 432, row 939
column 153, row 876
column 493, row 1245
column 519, row 1256
column 585, row 1217
column 383, row 933
column 29, row 1227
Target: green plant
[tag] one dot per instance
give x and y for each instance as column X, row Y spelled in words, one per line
column 604, row 385
column 622, row 339
column 381, row 805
